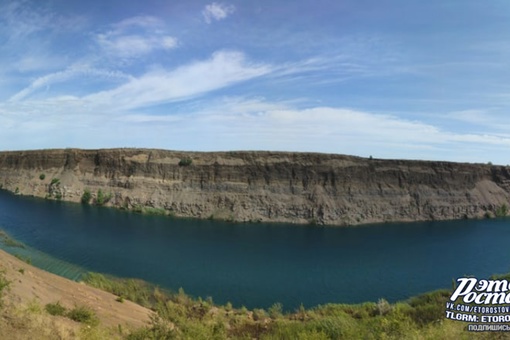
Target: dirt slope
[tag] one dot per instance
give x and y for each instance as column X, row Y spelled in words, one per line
column 30, row 286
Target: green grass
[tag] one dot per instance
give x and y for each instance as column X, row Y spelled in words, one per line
column 194, row 318
column 134, row 290
column 501, row 211
column 80, row 314
column 4, row 284
column 83, row 314
column 151, row 211
column 55, row 309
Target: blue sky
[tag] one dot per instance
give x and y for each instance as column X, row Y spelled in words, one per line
column 387, row 78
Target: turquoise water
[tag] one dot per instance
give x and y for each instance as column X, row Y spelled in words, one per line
column 256, row 265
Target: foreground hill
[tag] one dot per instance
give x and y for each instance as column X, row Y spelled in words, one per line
column 261, row 186
column 27, row 290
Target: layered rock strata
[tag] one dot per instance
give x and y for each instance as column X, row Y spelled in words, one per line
column 261, row 186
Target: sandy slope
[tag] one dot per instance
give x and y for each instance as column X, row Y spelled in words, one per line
column 31, row 285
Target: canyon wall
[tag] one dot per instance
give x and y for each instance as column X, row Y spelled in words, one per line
column 262, row 186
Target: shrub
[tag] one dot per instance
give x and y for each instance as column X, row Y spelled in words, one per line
column 42, row 176
column 86, row 197
column 276, row 310
column 55, row 309
column 502, row 211
column 259, row 314
column 100, row 197
column 82, row 314
column 428, row 307
column 55, row 181
column 383, row 307
column 186, row 161
column 4, row 283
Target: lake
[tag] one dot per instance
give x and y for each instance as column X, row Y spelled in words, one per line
column 256, row 265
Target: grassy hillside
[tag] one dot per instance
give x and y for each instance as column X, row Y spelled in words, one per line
column 181, row 317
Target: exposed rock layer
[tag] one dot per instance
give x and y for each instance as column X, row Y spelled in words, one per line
column 262, row 186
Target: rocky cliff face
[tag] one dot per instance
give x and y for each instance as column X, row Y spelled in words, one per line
column 262, row 186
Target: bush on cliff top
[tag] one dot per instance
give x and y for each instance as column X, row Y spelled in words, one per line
column 186, row 161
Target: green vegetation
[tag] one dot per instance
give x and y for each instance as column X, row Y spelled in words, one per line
column 151, row 210
column 16, row 191
column 55, row 309
column 180, row 316
column 83, row 314
column 186, row 161
column 502, row 211
column 79, row 314
column 4, row 283
column 54, row 190
column 86, row 197
column 103, row 198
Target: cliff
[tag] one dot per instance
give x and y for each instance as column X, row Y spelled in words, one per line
column 262, row 186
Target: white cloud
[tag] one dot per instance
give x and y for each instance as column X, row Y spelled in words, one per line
column 135, row 37
column 241, row 124
column 66, row 75
column 130, row 46
column 145, row 21
column 224, row 68
column 217, row 11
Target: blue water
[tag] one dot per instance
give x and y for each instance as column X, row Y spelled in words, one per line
column 256, row 265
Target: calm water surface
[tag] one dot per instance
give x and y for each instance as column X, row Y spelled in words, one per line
column 256, row 264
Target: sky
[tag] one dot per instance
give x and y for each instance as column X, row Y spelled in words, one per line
column 402, row 79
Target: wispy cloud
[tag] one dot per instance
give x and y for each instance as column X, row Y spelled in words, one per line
column 217, row 11
column 135, row 37
column 21, row 19
column 66, row 75
column 159, row 86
